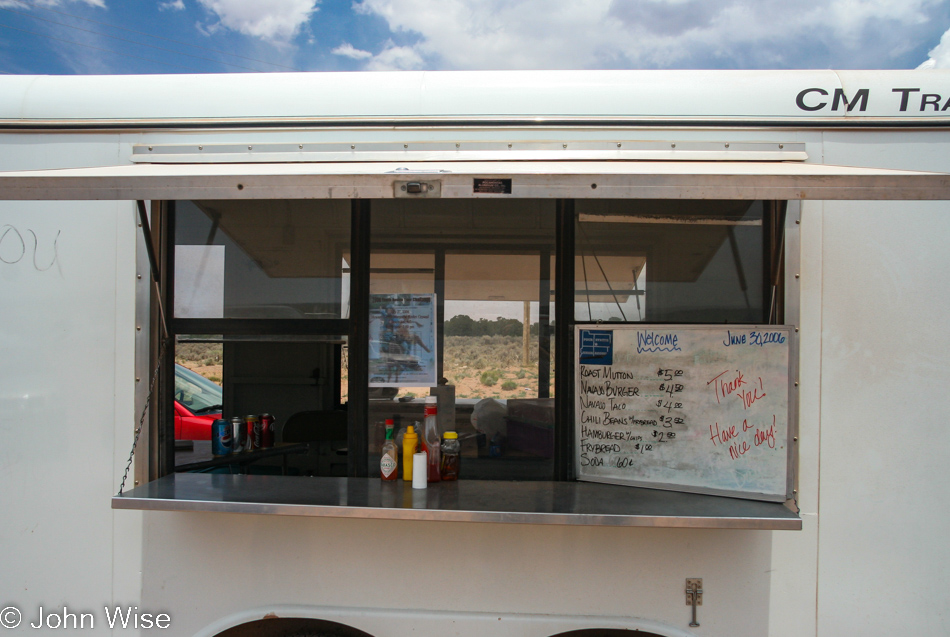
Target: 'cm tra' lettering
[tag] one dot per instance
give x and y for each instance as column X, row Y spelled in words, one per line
column 815, row 99
column 859, row 100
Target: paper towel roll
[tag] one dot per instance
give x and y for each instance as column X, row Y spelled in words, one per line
column 419, row 466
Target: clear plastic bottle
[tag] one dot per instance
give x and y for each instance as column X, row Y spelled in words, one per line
column 451, row 456
column 430, row 439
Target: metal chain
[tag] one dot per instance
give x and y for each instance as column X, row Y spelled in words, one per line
column 148, row 402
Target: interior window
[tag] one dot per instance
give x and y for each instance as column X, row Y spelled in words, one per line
column 242, row 269
column 670, row 261
column 260, row 259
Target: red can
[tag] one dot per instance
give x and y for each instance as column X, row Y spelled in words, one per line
column 253, row 432
column 267, row 431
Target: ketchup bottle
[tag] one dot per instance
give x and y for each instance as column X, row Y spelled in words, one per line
column 431, row 440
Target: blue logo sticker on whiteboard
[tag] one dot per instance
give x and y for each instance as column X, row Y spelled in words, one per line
column 596, row 347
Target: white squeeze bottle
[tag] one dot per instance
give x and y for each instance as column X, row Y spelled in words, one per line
column 431, row 439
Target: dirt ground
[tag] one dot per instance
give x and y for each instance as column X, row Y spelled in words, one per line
column 212, row 372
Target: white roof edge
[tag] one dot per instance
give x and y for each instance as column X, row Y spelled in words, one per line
column 792, row 96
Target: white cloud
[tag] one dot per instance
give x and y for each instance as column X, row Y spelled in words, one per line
column 529, row 34
column 396, row 58
column 348, row 50
column 174, row 5
column 272, row 20
column 939, row 55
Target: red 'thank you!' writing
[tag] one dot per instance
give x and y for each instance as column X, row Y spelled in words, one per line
column 729, row 384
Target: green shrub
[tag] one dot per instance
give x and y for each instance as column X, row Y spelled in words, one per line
column 489, row 377
column 508, row 385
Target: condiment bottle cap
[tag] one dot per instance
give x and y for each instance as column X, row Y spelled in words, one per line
column 432, row 399
column 450, row 435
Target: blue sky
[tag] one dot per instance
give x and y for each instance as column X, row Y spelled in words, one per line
column 221, row 36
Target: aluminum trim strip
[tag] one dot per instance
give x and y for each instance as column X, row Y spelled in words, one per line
column 504, row 148
column 471, row 155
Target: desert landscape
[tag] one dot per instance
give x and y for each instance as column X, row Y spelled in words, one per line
column 478, row 366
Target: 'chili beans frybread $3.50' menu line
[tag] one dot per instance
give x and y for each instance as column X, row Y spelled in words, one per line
column 693, row 408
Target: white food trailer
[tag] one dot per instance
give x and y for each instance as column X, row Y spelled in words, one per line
column 641, row 219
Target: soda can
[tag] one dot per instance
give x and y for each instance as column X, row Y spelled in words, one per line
column 267, row 431
column 253, row 433
column 238, row 434
column 221, row 438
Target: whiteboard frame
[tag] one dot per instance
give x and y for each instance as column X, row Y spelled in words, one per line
column 792, row 285
column 791, row 443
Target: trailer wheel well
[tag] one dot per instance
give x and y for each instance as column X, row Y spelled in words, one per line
column 292, row 627
column 606, row 632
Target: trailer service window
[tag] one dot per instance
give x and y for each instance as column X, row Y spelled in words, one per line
column 260, row 292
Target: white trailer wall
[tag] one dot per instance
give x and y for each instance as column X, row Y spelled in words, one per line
column 871, row 473
column 67, row 302
column 883, row 554
column 204, row 566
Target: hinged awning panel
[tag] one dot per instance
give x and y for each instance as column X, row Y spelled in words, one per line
column 549, row 179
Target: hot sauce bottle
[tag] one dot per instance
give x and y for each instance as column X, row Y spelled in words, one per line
column 388, row 462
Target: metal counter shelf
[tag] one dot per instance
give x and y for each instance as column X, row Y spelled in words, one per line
column 580, row 503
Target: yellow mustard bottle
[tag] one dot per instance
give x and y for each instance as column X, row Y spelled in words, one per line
column 409, row 444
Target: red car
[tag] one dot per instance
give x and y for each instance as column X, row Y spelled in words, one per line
column 197, row 404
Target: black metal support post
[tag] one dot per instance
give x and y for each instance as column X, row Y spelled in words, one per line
column 544, row 326
column 358, row 342
column 564, row 342
column 439, row 289
column 166, row 411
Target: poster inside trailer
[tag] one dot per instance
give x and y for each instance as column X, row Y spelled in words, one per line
column 402, row 336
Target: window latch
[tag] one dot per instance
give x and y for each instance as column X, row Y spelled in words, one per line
column 694, row 595
column 417, row 189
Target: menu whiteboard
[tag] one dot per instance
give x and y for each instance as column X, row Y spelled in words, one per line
column 703, row 409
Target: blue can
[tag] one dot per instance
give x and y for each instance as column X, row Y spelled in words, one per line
column 221, row 438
